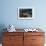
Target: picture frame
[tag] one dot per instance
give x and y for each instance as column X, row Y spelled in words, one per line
column 26, row 13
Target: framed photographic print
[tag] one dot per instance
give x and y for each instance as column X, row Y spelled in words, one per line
column 25, row 13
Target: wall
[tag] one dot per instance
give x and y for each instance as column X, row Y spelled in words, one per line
column 9, row 13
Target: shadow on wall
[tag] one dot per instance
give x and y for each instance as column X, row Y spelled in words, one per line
column 2, row 26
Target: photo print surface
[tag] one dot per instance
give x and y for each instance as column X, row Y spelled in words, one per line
column 25, row 13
